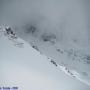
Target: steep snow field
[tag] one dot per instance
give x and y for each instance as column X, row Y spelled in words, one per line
column 27, row 69
column 59, row 29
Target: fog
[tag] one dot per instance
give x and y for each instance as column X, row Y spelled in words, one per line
column 68, row 20
column 65, row 16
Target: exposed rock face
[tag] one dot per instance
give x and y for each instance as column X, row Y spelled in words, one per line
column 8, row 32
column 61, row 34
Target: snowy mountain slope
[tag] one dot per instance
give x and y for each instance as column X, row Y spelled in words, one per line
column 58, row 29
column 72, row 61
column 27, row 69
column 75, row 59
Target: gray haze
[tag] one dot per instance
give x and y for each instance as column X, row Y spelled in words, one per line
column 52, row 14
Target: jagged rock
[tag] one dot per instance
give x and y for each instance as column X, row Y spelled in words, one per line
column 9, row 33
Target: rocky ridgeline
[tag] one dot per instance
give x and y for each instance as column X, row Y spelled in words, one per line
column 8, row 32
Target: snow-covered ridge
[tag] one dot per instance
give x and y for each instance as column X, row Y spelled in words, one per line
column 74, row 55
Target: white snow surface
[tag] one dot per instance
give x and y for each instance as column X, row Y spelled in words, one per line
column 59, row 29
column 68, row 62
column 28, row 69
